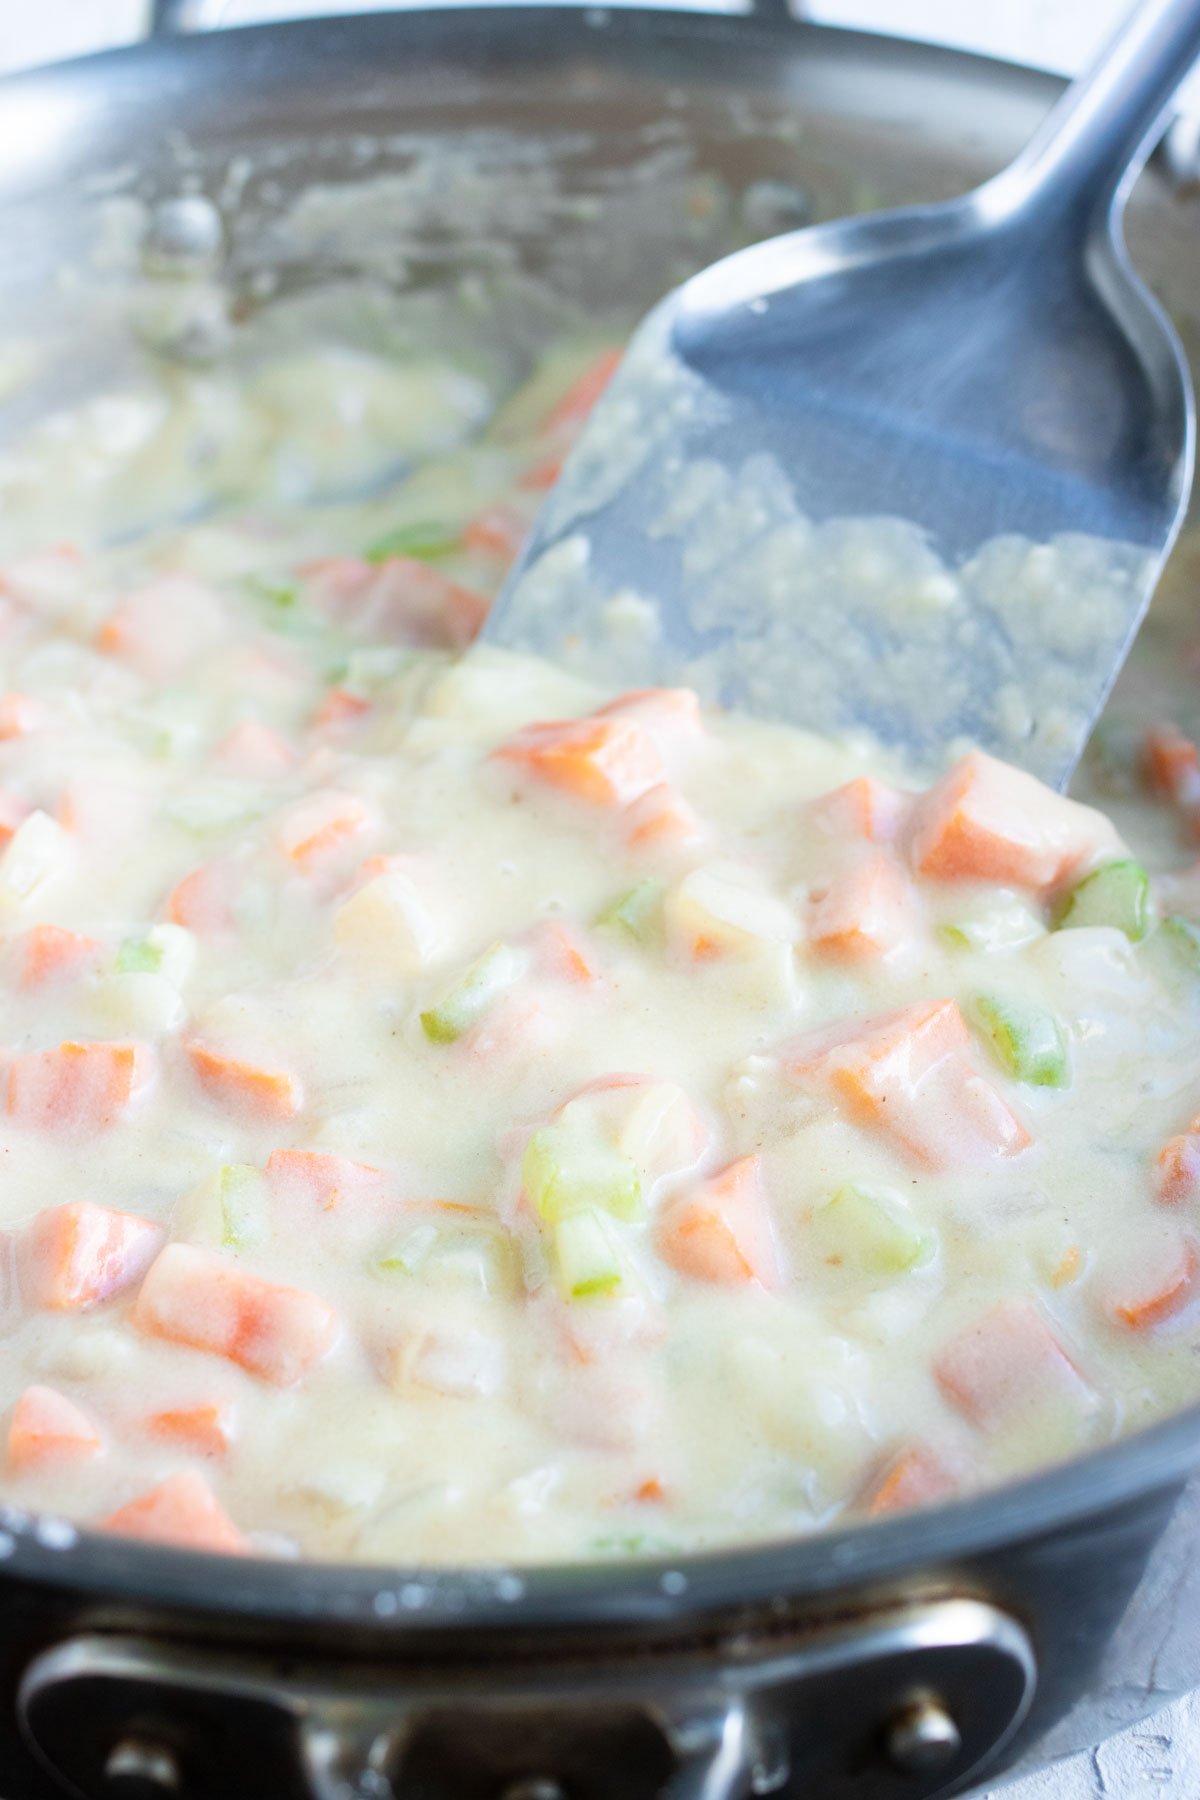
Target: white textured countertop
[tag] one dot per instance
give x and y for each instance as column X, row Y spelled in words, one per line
column 1159, row 1759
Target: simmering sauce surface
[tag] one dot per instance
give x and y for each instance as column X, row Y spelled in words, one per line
column 451, row 1112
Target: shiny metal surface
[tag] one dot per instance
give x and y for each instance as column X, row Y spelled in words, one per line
column 990, row 366
column 604, row 120
column 815, row 1712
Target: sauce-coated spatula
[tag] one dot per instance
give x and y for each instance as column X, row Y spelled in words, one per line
column 914, row 473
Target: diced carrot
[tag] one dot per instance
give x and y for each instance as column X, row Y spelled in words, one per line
column 496, row 531
column 1171, row 765
column 320, row 824
column 1068, row 1268
column 20, row 715
column 195, row 1297
column 1177, row 1172
column 987, row 821
column 46, row 1427
column 1162, row 1298
column 561, row 954
column 182, row 1510
column 409, row 600
column 662, row 817
column 1007, row 1361
column 76, row 1255
column 720, row 1230
column 203, row 900
column 206, row 1429
column 908, row 1074
column 651, row 1492
column 666, row 711
column 253, row 749
column 254, row 1089
column 865, row 912
column 12, row 812
column 568, row 413
column 46, row 952
column 317, row 1178
column 77, row 1087
column 338, row 580
column 161, row 627
column 915, row 1477
column 340, row 707
column 862, row 808
column 514, row 1025
column 606, row 762
column 541, row 475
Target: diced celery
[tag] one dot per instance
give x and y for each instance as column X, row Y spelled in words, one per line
column 363, row 671
column 637, row 913
column 1173, row 949
column 278, row 591
column 423, row 540
column 1025, row 1041
column 406, row 1254
column 471, row 996
column 868, row 1231
column 585, row 1256
column 475, row 1256
column 633, row 1543
column 1002, row 926
column 241, row 1194
column 1117, row 894
column 138, row 956
column 566, row 1171
column 211, row 809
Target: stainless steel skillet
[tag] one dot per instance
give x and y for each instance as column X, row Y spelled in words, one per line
column 907, row 1659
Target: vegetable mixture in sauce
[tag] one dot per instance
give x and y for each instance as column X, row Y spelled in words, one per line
column 452, row 1113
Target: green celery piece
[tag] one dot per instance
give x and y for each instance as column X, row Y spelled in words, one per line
column 1173, row 948
column 239, row 1186
column 636, row 913
column 1117, row 893
column 423, row 540
column 585, row 1257
column 367, row 668
column 565, row 1172
column 867, row 1231
column 1003, row 927
column 204, row 813
column 1026, row 1042
column 470, row 997
column 633, row 1543
column 277, row 590
column 138, row 956
column 406, row 1255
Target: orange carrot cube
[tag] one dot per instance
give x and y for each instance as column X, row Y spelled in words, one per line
column 46, row 1427
column 196, row 1297
column 986, row 821
column 603, row 761
column 80, row 1088
column 720, row 1230
column 50, row 952
column 865, row 912
column 256, row 1090
column 76, row 1255
column 182, row 1510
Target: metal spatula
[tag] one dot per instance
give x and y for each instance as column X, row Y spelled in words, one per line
column 914, row 473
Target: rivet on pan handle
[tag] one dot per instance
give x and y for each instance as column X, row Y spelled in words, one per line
column 898, row 1705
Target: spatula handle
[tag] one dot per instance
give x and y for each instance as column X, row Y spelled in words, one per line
column 1093, row 142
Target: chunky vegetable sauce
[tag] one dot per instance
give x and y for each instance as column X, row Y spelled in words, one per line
column 453, row 1113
